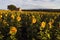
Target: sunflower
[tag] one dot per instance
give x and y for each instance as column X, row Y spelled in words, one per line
column 0, row 16
column 18, row 18
column 4, row 22
column 50, row 23
column 33, row 20
column 6, row 15
column 12, row 16
column 52, row 20
column 43, row 24
column 13, row 30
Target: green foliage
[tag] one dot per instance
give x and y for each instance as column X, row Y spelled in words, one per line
column 26, row 29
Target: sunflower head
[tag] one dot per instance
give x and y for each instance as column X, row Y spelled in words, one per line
column 43, row 24
column 0, row 16
column 18, row 18
column 51, row 23
column 52, row 20
column 13, row 30
column 12, row 16
column 33, row 19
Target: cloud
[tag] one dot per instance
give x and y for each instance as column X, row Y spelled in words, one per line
column 47, row 4
column 31, row 4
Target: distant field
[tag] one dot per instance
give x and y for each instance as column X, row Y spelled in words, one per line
column 32, row 12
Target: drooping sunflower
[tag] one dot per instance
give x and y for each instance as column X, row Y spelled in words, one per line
column 13, row 30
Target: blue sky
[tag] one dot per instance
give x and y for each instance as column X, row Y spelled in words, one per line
column 31, row 4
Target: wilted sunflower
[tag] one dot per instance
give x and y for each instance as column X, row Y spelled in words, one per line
column 33, row 19
column 13, row 30
column 43, row 24
column 18, row 18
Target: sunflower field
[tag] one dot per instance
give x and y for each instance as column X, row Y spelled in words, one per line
column 29, row 25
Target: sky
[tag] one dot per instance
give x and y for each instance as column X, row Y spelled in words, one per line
column 31, row 4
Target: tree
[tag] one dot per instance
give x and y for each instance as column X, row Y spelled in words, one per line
column 11, row 7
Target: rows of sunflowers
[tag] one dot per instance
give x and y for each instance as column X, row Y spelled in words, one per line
column 29, row 26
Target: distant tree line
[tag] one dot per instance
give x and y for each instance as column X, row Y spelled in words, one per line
column 13, row 7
